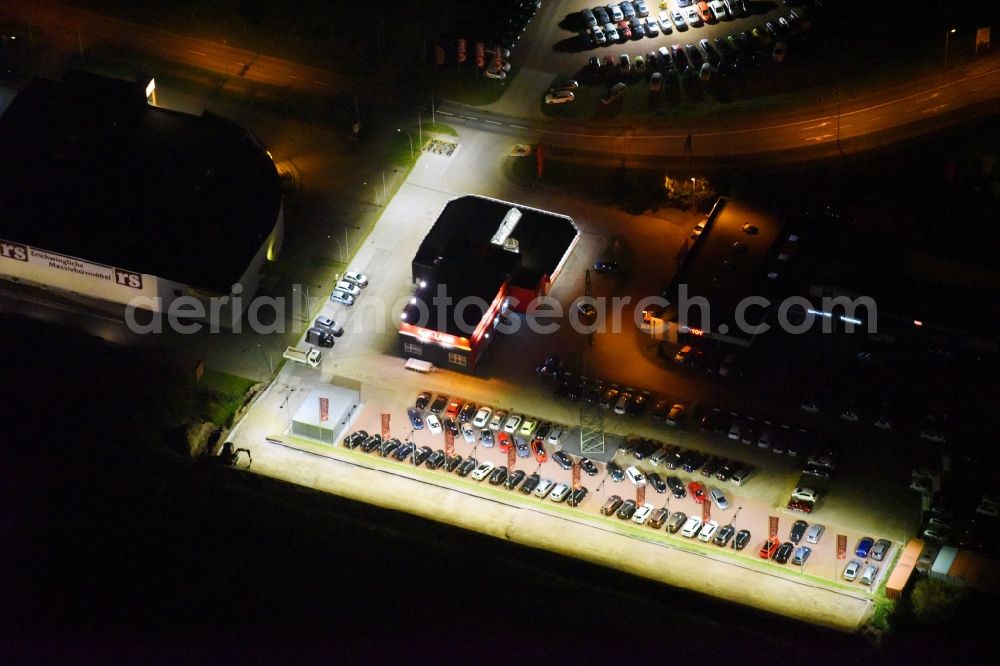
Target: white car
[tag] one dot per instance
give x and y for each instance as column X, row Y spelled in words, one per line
column 499, row 417
column 805, row 494
column 545, row 486
column 665, row 23
column 691, row 526
column 679, row 20
column 611, row 32
column 719, row 10
column 694, row 18
column 512, row 424
column 341, row 297
column 719, row 499
column 642, row 514
column 528, row 427
column 559, row 493
column 359, row 279
column 821, row 461
column 851, row 570
column 708, row 530
column 636, row 476
column 560, row 97
column 868, row 575
column 482, row 417
column 555, row 435
column 651, row 27
column 433, row 424
column 597, row 34
column 616, row 12
column 482, row 471
column 468, row 433
column 348, row 288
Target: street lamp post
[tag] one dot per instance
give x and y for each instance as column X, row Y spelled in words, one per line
column 374, row 192
column 947, row 37
column 694, row 200
column 420, row 131
column 408, row 136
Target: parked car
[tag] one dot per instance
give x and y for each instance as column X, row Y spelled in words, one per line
column 802, row 554
column 422, row 455
column 864, row 546
column 562, row 459
column 588, row 466
column 514, row 479
column 434, row 424
column 538, row 450
column 615, row 471
column 691, row 526
column 801, row 506
column 436, row 460
column 769, row 548
column 880, row 549
column 799, row 528
column 655, row 480
column 868, row 575
column 611, row 505
column 852, row 569
column 530, row 483
column 635, row 475
column 482, row 417
column 708, row 531
column 676, row 487
column 468, row 466
column 439, row 404
column 512, row 423
column 499, row 417
column 498, row 476
column 815, row 533
column 523, row 450
column 697, row 491
column 626, row 510
column 784, row 552
column 741, row 540
column 416, row 420
column 723, row 536
column 642, row 514
column 657, row 518
column 719, row 499
column 545, row 486
column 560, row 492
column 453, row 462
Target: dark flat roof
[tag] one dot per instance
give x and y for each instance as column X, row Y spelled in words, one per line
column 457, row 252
column 713, row 269
column 92, row 171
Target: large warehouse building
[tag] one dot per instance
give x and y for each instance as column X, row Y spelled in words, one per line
column 482, row 258
column 107, row 197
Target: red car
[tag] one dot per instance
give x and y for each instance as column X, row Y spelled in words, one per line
column 538, row 448
column 503, row 441
column 769, row 547
column 454, row 407
column 801, row 506
column 624, row 30
column 697, row 491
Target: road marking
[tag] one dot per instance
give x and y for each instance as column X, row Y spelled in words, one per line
column 812, row 127
column 492, row 122
column 197, row 52
column 520, row 127
column 934, row 109
column 292, row 76
column 322, row 83
column 446, row 113
column 467, row 117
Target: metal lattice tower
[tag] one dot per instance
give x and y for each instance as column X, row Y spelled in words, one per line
column 591, row 416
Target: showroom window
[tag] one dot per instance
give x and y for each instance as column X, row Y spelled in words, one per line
column 413, row 348
column 457, row 359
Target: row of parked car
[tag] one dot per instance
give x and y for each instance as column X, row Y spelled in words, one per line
column 678, row 521
column 406, row 451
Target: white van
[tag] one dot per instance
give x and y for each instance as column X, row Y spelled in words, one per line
column 742, row 475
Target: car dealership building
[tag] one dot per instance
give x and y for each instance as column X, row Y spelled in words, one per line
column 482, row 258
column 107, row 197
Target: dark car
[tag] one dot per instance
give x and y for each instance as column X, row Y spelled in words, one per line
column 562, row 459
column 404, row 451
column 637, row 405
column 644, row 450
column 741, row 540
column 784, row 552
column 724, row 534
column 467, row 466
column 498, row 476
column 615, row 471
column 612, row 267
column 609, row 397
column 673, row 460
column 864, row 545
column 514, row 479
column 593, row 392
column 676, row 521
column 530, row 484
column 577, row 496
column 657, row 482
column 355, row 439
column 372, row 443
column 467, row 412
column 726, row 470
column 799, row 528
column 626, row 510
column 544, row 429
column 880, row 549
column 422, row 401
column 588, row 466
column 713, row 465
column 439, row 404
column 388, row 447
column 436, row 460
column 694, row 462
column 416, row 420
column 452, row 463
column 676, row 487
column 449, row 424
column 422, row 455
column 550, row 367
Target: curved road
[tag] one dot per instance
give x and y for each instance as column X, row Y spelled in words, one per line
column 883, row 116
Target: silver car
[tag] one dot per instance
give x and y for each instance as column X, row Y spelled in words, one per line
column 815, row 533
column 341, row 297
column 719, row 499
column 560, row 492
column 348, row 288
column 851, row 570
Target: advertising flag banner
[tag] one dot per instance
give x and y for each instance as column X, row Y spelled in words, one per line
column 982, row 38
column 706, row 511
column 385, row 426
column 324, row 409
column 772, row 529
column 460, row 50
column 511, row 459
column 449, row 443
column 438, row 55
column 576, row 475
column 480, row 54
column 841, row 546
column 640, row 496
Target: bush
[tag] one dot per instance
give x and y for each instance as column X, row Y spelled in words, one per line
column 934, row 601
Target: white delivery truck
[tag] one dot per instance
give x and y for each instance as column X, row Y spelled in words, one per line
column 304, row 355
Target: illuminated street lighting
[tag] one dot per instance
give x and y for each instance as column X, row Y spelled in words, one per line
column 947, row 36
column 408, row 136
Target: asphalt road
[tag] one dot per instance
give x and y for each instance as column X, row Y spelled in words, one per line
column 883, row 115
